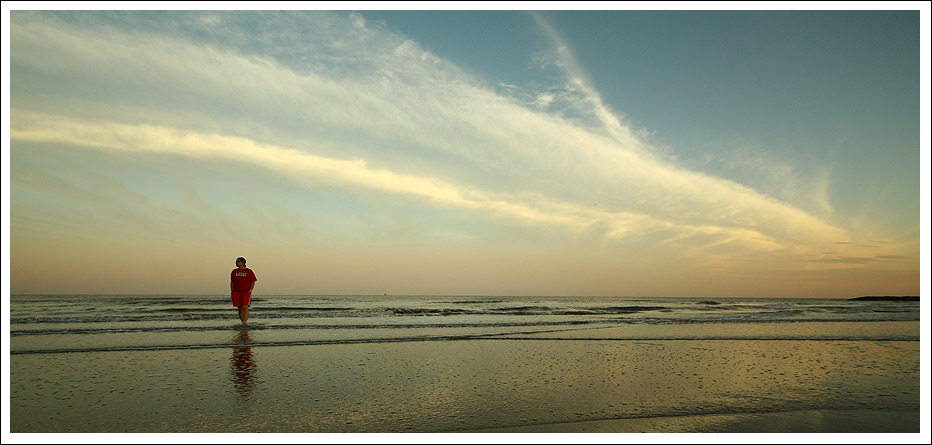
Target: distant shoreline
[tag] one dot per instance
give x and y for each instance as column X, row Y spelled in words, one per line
column 872, row 298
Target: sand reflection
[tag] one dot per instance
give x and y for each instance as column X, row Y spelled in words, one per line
column 243, row 366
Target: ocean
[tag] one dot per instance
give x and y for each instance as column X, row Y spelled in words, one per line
column 50, row 323
column 184, row 363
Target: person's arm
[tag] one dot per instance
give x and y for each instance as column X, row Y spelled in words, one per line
column 252, row 284
column 231, row 285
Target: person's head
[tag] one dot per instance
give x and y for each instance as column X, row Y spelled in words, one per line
column 241, row 260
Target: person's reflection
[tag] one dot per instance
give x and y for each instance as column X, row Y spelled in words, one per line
column 243, row 365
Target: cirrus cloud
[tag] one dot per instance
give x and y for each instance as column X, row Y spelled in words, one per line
column 335, row 98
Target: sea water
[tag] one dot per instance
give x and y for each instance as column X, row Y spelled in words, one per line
column 70, row 323
column 177, row 363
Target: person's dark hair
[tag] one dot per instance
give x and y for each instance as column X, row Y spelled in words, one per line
column 241, row 259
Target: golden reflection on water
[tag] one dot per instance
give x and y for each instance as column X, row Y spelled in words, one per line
column 243, row 366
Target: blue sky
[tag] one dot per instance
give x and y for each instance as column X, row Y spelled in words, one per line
column 746, row 153
column 797, row 86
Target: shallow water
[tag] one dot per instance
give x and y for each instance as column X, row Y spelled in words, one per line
column 121, row 322
column 446, row 364
column 442, row 386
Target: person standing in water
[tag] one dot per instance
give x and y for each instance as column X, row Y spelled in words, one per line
column 242, row 281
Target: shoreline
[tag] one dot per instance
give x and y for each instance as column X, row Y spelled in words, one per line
column 540, row 384
column 784, row 422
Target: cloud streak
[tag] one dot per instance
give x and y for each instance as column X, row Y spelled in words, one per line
column 32, row 127
column 580, row 92
column 360, row 107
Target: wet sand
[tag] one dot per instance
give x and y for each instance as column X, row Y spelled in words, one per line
column 591, row 380
column 820, row 421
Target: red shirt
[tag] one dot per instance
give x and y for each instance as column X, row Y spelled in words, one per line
column 242, row 279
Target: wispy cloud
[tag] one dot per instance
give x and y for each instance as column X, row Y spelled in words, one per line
column 581, row 93
column 531, row 208
column 362, row 108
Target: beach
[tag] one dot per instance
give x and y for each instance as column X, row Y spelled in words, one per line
column 429, row 376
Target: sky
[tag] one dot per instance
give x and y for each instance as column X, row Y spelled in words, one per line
column 620, row 153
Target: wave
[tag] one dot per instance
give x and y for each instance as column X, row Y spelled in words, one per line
column 560, row 317
column 153, row 329
column 467, row 337
column 76, row 328
column 69, row 315
column 186, row 313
